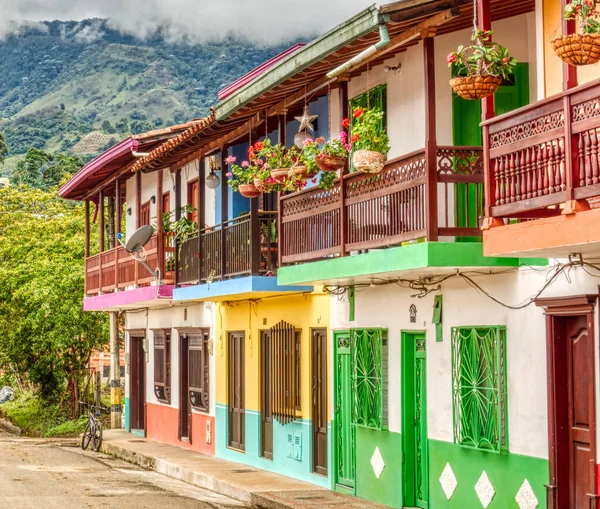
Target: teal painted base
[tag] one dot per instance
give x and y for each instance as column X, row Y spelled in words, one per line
column 506, row 472
column 127, row 420
column 292, row 447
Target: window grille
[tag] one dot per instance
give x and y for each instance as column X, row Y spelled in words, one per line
column 285, row 369
column 370, row 377
column 479, row 387
column 199, row 369
column 162, row 365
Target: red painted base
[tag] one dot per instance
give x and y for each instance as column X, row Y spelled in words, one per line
column 162, row 425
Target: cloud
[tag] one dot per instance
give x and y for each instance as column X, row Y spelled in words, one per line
column 259, row 21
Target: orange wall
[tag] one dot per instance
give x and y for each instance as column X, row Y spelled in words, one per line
column 162, row 425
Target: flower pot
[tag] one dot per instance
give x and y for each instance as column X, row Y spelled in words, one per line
column 577, row 49
column 249, row 191
column 330, row 163
column 302, row 170
column 475, row 87
column 279, row 174
column 260, row 184
column 368, row 161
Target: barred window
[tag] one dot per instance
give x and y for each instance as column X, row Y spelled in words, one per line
column 479, row 387
column 370, row 377
column 199, row 369
column 162, row 365
column 285, row 371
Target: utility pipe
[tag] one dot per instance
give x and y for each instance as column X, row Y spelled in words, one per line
column 140, row 154
column 384, row 40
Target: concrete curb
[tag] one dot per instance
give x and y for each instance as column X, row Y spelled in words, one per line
column 9, row 428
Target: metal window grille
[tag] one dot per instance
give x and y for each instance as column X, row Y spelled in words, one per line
column 285, row 369
column 162, row 365
column 479, row 387
column 199, row 369
column 370, row 377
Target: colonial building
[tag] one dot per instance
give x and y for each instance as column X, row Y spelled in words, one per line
column 371, row 337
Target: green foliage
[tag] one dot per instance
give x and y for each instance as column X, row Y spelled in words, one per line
column 108, row 128
column 3, row 148
column 367, row 131
column 585, row 13
column 43, row 170
column 45, row 336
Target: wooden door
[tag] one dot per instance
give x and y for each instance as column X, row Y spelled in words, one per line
column 344, row 430
column 319, row 400
column 266, row 386
column 415, row 471
column 185, row 411
column 192, row 200
column 236, row 409
column 145, row 214
column 167, row 203
column 137, row 397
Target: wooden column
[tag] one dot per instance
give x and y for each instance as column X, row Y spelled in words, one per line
column 344, row 110
column 224, row 213
column 202, row 210
column 255, row 237
column 118, row 221
column 138, row 199
column 101, row 232
column 87, row 228
column 569, row 71
column 484, row 22
column 160, row 234
column 177, row 191
column 282, row 134
column 430, row 140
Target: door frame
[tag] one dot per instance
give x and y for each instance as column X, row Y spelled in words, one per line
column 335, row 435
column 315, row 404
column 242, row 389
column 265, row 364
column 554, row 308
column 184, row 388
column 139, row 337
column 407, row 341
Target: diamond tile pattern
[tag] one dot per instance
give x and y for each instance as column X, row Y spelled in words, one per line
column 484, row 489
column 448, row 481
column 377, row 463
column 526, row 498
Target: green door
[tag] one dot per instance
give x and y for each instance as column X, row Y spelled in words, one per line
column 466, row 116
column 344, row 436
column 414, row 420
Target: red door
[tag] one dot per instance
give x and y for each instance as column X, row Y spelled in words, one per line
column 145, row 214
column 193, row 200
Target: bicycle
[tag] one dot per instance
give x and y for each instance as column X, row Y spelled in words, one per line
column 93, row 427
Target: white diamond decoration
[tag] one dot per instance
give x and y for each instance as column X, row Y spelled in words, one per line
column 448, row 481
column 485, row 491
column 526, row 498
column 377, row 463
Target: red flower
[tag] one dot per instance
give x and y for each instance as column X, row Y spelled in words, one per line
column 451, row 58
column 354, row 138
column 358, row 112
column 258, row 145
column 505, row 60
column 346, row 123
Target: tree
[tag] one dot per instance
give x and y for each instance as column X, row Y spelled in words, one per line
column 45, row 336
column 43, row 170
column 108, row 128
column 122, row 126
column 140, row 126
column 3, row 148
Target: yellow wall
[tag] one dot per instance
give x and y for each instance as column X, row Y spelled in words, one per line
column 552, row 64
column 303, row 312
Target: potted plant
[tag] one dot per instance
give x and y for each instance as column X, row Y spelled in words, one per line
column 480, row 67
column 329, row 156
column 278, row 160
column 369, row 140
column 241, row 177
column 581, row 48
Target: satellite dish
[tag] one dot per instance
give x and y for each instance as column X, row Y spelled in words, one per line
column 139, row 239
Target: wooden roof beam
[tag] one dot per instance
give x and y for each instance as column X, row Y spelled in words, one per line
column 421, row 9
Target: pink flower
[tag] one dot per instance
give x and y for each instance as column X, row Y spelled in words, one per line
column 348, row 147
column 314, row 180
column 271, row 180
column 308, row 141
column 343, row 137
column 230, row 160
column 229, row 174
column 245, row 164
column 320, row 140
column 451, row 58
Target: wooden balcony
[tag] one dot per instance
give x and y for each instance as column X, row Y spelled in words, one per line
column 543, row 157
column 116, row 269
column 245, row 246
column 409, row 200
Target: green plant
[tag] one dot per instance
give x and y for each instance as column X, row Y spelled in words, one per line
column 269, row 231
column 244, row 173
column 584, row 11
column 275, row 156
column 367, row 133
column 482, row 58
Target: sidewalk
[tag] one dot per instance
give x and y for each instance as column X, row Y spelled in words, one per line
column 246, row 484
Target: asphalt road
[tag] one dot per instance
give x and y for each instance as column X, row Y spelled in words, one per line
column 46, row 474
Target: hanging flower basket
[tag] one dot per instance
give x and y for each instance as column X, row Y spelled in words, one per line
column 260, row 184
column 475, row 87
column 327, row 162
column 249, row 191
column 368, row 161
column 577, row 49
column 302, row 171
column 279, row 174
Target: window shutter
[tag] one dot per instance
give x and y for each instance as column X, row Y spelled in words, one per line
column 162, row 365
column 199, row 369
column 285, row 362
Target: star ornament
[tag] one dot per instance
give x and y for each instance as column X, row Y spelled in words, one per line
column 306, row 120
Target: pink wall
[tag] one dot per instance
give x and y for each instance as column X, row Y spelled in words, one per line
column 163, row 422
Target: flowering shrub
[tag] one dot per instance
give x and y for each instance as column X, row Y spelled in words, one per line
column 315, row 149
column 276, row 156
column 244, row 173
column 367, row 133
column 585, row 13
column 482, row 58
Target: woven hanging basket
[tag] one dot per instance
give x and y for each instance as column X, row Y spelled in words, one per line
column 302, row 170
column 279, row 174
column 368, row 161
column 577, row 49
column 249, row 191
column 475, row 87
column 330, row 163
column 260, row 184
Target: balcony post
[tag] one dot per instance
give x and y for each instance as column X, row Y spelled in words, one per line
column 254, row 238
column 118, row 221
column 202, row 209
column 101, row 227
column 430, row 140
column 281, row 136
column 568, row 28
column 177, row 217
column 343, row 96
column 160, row 234
column 224, row 214
column 87, row 242
column 138, row 199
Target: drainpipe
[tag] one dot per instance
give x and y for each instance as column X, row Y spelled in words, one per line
column 384, row 40
column 140, row 154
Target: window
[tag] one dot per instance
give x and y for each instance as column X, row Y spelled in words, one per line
column 285, row 369
column 199, row 369
column 369, row 377
column 479, row 387
column 376, row 98
column 162, row 365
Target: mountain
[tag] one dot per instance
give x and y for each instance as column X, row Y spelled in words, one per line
column 80, row 86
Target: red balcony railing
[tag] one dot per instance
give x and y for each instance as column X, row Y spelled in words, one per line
column 116, row 269
column 386, row 209
column 544, row 155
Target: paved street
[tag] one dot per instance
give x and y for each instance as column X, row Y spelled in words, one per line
column 52, row 474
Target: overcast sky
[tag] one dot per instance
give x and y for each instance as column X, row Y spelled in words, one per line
column 263, row 21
